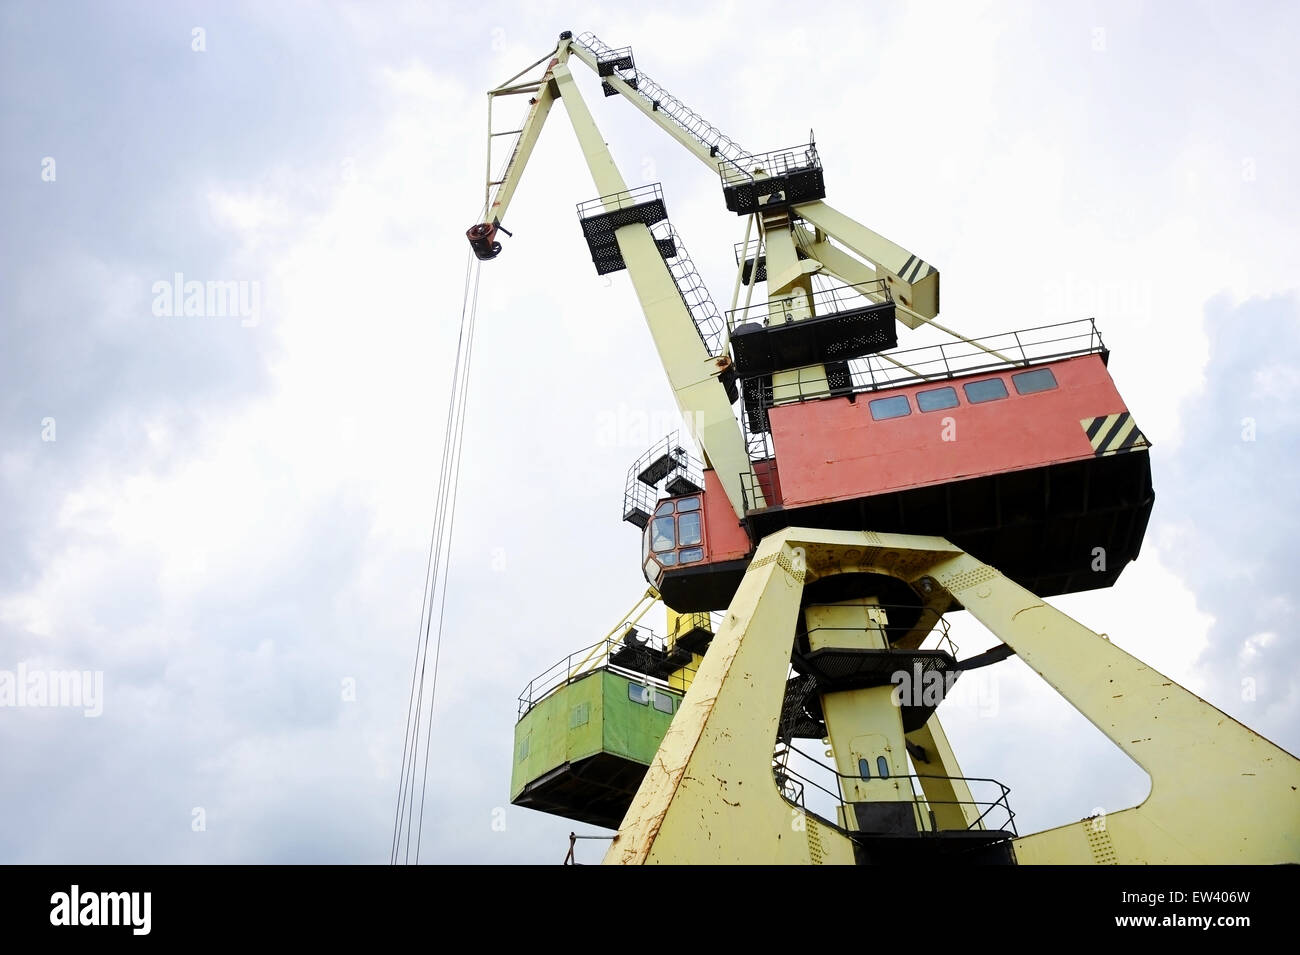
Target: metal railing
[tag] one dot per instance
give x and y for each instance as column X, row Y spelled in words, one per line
column 1005, row 350
column 778, row 162
column 827, row 301
column 620, row 200
column 640, row 497
column 701, row 619
column 690, row 286
column 660, row 100
column 940, row 630
column 993, row 813
column 944, row 361
column 582, row 663
column 757, row 491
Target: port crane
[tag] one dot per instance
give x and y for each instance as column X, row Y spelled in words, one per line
column 807, row 559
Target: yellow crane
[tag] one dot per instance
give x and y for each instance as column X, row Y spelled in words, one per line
column 812, row 554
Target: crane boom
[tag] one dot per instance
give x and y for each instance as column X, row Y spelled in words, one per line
column 704, row 140
column 694, row 357
column 694, row 373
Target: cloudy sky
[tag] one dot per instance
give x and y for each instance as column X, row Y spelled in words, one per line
column 227, row 515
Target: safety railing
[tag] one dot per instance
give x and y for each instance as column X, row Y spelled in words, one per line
column 827, row 301
column 998, row 352
column 939, row 362
column 582, row 663
column 666, row 460
column 627, row 199
column 778, row 162
column 758, row 490
column 993, row 812
column 661, row 101
column 690, row 286
column 939, row 637
column 696, row 620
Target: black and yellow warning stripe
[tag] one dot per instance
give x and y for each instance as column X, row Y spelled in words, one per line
column 1113, row 433
column 911, row 270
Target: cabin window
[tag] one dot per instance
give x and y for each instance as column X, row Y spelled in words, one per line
column 990, row 389
column 663, row 703
column 661, row 538
column 864, row 769
column 884, row 408
column 1032, row 382
column 882, row 767
column 688, row 529
column 937, row 400
column 638, row 693
column 676, row 538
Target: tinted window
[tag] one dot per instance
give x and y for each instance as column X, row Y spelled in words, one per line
column 688, row 529
column 882, row 767
column 637, row 693
column 991, row 389
column 663, row 703
column 895, row 407
column 1029, row 382
column 937, row 400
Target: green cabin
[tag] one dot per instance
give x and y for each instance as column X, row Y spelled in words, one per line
column 582, row 749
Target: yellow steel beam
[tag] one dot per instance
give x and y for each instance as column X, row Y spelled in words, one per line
column 694, row 146
column 1220, row 793
column 945, row 790
column 913, row 282
column 864, row 726
column 709, row 796
column 789, row 298
column 539, row 109
column 687, row 362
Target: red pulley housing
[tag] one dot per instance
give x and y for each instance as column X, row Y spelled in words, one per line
column 482, row 239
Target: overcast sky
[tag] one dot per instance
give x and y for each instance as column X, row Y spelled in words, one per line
column 227, row 515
